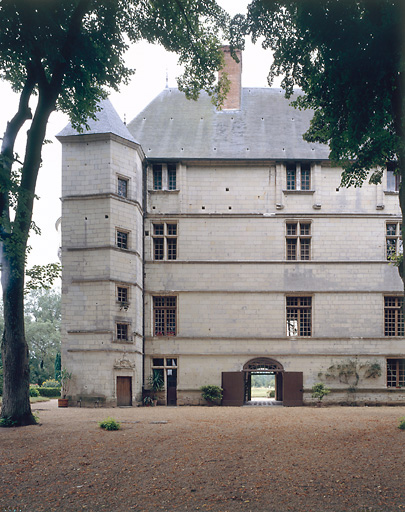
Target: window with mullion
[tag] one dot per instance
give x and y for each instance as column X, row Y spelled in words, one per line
column 393, row 236
column 393, row 316
column 298, row 241
column 164, row 316
column 165, row 241
column 298, row 315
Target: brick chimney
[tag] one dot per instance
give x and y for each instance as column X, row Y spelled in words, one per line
column 234, row 71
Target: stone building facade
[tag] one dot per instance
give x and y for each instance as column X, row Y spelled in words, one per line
column 206, row 246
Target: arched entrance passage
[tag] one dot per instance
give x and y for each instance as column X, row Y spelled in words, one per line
column 263, row 366
column 289, row 384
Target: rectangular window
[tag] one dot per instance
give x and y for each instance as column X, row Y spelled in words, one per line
column 291, row 177
column 165, row 241
column 298, row 241
column 157, row 177
column 393, row 177
column 164, row 176
column 393, row 239
column 122, row 294
column 298, row 176
column 393, row 316
column 298, row 314
column 171, row 177
column 122, row 239
column 395, row 373
column 122, row 331
column 122, row 187
column 305, row 177
column 164, row 316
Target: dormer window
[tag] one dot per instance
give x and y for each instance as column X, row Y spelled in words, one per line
column 298, row 176
column 164, row 176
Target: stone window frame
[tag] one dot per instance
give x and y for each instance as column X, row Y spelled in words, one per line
column 393, row 316
column 298, row 242
column 165, row 322
column 395, row 372
column 122, row 295
column 122, row 331
column 121, row 178
column 299, row 325
column 121, row 241
column 164, row 241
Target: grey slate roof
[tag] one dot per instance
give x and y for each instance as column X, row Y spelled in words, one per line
column 108, row 121
column 266, row 127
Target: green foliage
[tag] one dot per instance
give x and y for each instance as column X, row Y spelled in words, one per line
column 263, row 380
column 401, row 424
column 58, row 366
column 49, row 392
column 350, row 371
column 42, row 277
column 319, row 391
column 109, row 424
column 156, row 381
column 7, row 422
column 51, row 383
column 348, row 59
column 65, row 378
column 70, row 53
column 211, row 394
column 34, row 392
column 147, row 401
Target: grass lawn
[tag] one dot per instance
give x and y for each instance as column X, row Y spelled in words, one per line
column 34, row 399
column 259, row 392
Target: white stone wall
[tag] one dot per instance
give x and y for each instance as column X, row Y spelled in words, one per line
column 93, row 266
column 231, row 277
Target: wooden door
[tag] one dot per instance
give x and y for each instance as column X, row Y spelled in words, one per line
column 124, row 391
column 293, row 389
column 171, row 377
column 233, row 385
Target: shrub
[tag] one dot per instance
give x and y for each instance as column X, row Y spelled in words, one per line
column 34, row 391
column 402, row 423
column 147, row 401
column 109, row 424
column 271, row 393
column 211, row 393
column 51, row 383
column 319, row 391
column 49, row 392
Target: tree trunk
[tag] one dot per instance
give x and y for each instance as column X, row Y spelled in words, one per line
column 16, row 374
column 16, row 405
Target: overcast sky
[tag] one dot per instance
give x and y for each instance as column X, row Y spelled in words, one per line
column 152, row 64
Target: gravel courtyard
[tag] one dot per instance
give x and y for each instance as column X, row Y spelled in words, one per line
column 205, row 458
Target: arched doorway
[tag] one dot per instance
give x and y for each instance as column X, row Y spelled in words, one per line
column 266, row 368
column 289, row 384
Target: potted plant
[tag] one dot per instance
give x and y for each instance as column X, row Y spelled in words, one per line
column 212, row 394
column 147, row 401
column 319, row 390
column 65, row 377
column 156, row 384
